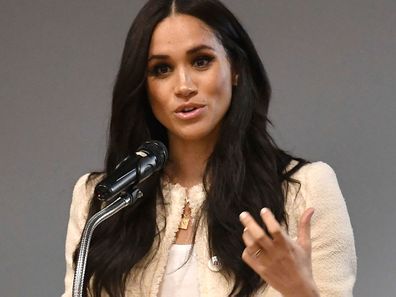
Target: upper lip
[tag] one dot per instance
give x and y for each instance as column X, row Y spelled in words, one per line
column 188, row 105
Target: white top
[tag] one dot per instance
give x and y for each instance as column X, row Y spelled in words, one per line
column 180, row 278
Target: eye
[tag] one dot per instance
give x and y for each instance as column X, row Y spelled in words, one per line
column 202, row 61
column 160, row 70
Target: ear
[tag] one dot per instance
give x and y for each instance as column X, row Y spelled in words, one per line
column 234, row 75
column 235, row 79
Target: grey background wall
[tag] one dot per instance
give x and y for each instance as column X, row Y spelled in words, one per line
column 332, row 65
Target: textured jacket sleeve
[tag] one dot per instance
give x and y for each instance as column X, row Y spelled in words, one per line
column 333, row 247
column 78, row 216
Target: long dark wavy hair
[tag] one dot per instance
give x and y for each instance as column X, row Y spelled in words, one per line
column 246, row 169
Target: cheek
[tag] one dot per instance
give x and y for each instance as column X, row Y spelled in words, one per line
column 220, row 87
column 157, row 105
column 156, row 100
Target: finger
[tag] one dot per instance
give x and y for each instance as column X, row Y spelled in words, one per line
column 258, row 266
column 247, row 238
column 252, row 247
column 304, row 229
column 273, row 225
column 255, row 231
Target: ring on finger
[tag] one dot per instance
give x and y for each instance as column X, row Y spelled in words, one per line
column 258, row 253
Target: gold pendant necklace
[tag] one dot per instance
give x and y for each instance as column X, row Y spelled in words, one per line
column 184, row 221
column 186, row 216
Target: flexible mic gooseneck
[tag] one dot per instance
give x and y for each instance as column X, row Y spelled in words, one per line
column 149, row 158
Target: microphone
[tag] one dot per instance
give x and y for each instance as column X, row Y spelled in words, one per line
column 149, row 158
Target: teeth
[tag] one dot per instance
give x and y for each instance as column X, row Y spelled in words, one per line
column 188, row 109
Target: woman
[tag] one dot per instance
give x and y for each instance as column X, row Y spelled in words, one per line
column 191, row 78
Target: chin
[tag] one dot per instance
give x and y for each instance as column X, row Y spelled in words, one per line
column 196, row 134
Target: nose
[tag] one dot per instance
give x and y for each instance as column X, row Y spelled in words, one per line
column 185, row 87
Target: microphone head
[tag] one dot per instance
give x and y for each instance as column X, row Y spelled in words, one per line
column 150, row 157
column 156, row 148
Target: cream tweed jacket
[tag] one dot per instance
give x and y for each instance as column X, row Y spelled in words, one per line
column 333, row 248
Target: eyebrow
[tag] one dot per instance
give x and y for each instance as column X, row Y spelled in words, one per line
column 189, row 52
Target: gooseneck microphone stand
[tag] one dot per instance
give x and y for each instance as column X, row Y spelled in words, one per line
column 123, row 200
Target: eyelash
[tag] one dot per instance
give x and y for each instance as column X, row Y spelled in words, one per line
column 154, row 71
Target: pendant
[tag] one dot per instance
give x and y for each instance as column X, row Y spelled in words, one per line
column 184, row 222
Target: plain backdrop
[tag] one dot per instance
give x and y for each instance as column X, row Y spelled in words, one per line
column 332, row 67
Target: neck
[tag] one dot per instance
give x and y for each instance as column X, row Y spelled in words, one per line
column 187, row 160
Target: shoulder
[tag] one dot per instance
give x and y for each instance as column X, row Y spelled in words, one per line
column 317, row 187
column 314, row 177
column 318, row 172
column 82, row 195
column 83, row 188
column 317, row 178
column 313, row 172
column 80, row 187
column 85, row 185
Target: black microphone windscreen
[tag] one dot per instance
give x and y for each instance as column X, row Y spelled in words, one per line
column 157, row 148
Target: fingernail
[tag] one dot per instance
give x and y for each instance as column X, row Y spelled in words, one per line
column 263, row 210
column 244, row 230
column 243, row 215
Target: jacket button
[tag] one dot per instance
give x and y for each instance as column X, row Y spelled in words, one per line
column 214, row 264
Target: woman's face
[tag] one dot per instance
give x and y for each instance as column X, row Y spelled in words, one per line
column 189, row 78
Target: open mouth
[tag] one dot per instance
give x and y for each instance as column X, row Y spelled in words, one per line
column 190, row 112
column 189, row 109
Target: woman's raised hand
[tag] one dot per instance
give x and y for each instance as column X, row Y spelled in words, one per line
column 285, row 264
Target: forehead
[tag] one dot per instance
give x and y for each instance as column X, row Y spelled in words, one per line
column 181, row 32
